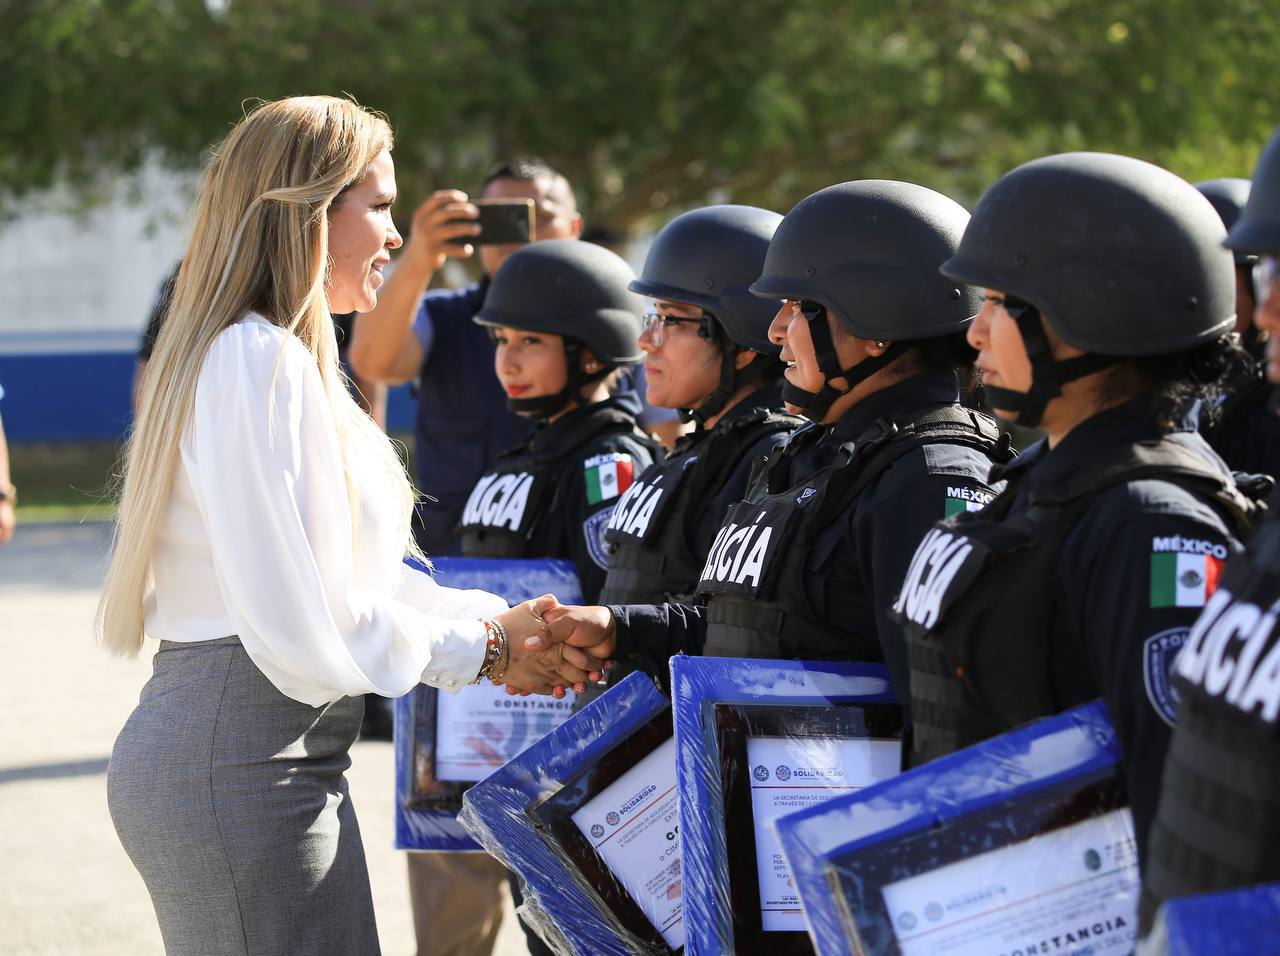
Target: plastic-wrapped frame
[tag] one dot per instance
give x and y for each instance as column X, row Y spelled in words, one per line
column 427, row 800
column 753, row 736
column 538, row 815
column 1027, row 835
column 1243, row 922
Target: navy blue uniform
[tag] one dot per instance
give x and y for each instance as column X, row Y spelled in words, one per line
column 1218, row 824
column 855, row 565
column 551, row 496
column 1118, row 599
column 661, row 531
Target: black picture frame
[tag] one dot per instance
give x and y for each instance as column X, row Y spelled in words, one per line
column 733, row 725
column 552, row 817
column 858, row 876
column 426, row 790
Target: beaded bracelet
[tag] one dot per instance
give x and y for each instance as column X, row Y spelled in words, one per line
column 496, row 650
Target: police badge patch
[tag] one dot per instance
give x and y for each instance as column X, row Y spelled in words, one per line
column 593, row 530
column 1158, row 654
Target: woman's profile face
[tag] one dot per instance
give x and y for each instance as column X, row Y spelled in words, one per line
column 790, row 329
column 681, row 368
column 529, row 364
column 360, row 234
column 1002, row 356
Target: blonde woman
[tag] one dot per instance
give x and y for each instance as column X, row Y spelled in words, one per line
column 261, row 531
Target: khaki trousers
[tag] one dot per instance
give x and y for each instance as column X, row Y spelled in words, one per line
column 457, row 901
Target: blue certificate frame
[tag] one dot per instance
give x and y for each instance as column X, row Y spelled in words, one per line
column 1240, row 922
column 1068, row 758
column 426, row 807
column 700, row 686
column 497, row 812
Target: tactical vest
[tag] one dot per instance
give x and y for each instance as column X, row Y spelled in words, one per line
column 753, row 579
column 511, row 510
column 1218, row 826
column 977, row 602
column 651, row 559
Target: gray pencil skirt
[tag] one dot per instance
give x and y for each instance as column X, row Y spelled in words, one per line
column 231, row 801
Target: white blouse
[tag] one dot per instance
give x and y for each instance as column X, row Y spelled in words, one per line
column 257, row 540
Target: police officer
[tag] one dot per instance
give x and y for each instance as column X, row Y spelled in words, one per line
column 1083, row 577
column 1242, row 427
column 563, row 321
column 707, row 353
column 1218, row 823
column 808, row 564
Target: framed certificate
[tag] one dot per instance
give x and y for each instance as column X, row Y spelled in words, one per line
column 587, row 819
column 755, row 740
column 446, row 742
column 774, row 761
column 1024, row 841
column 1058, row 867
column 616, row 824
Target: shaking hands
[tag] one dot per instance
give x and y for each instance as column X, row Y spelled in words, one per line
column 571, row 644
column 555, row 646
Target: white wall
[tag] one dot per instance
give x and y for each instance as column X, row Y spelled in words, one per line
column 85, row 281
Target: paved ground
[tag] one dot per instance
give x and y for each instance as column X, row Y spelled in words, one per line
column 66, row 886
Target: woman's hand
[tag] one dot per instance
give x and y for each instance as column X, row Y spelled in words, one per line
column 583, row 637
column 540, row 663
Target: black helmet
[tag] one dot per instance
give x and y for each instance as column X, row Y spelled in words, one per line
column 1228, row 197
column 1121, row 257
column 709, row 257
column 868, row 252
column 1258, row 229
column 573, row 289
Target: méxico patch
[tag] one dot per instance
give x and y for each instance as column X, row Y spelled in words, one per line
column 960, row 498
column 1184, row 571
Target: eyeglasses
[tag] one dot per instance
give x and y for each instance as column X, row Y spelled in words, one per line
column 656, row 325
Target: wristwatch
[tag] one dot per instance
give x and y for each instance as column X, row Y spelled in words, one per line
column 9, row 494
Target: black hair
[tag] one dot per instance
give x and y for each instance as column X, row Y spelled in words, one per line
column 1168, row 385
column 524, row 168
column 942, row 354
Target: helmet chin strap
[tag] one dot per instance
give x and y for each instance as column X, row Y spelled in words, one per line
column 544, row 406
column 1047, row 374
column 815, row 405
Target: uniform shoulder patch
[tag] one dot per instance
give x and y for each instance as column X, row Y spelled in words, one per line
column 607, row 476
column 1184, row 571
column 593, row 530
column 1158, row 654
column 963, row 498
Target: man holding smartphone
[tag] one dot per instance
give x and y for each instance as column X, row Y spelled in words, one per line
column 462, row 418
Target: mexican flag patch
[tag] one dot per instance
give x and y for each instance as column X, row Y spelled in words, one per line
column 607, row 476
column 961, row 498
column 1183, row 580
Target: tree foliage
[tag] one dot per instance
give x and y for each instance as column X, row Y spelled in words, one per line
column 651, row 106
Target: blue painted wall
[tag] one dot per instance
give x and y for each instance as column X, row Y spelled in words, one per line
column 85, row 396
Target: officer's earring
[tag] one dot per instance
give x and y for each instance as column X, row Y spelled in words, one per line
column 881, row 344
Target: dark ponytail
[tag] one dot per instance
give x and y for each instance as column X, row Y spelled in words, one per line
column 1168, row 385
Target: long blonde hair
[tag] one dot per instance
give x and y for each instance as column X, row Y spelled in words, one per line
column 259, row 243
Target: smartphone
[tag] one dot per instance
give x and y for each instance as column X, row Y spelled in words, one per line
column 502, row 222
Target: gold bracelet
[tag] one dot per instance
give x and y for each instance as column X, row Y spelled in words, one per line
column 496, row 650
column 504, row 652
